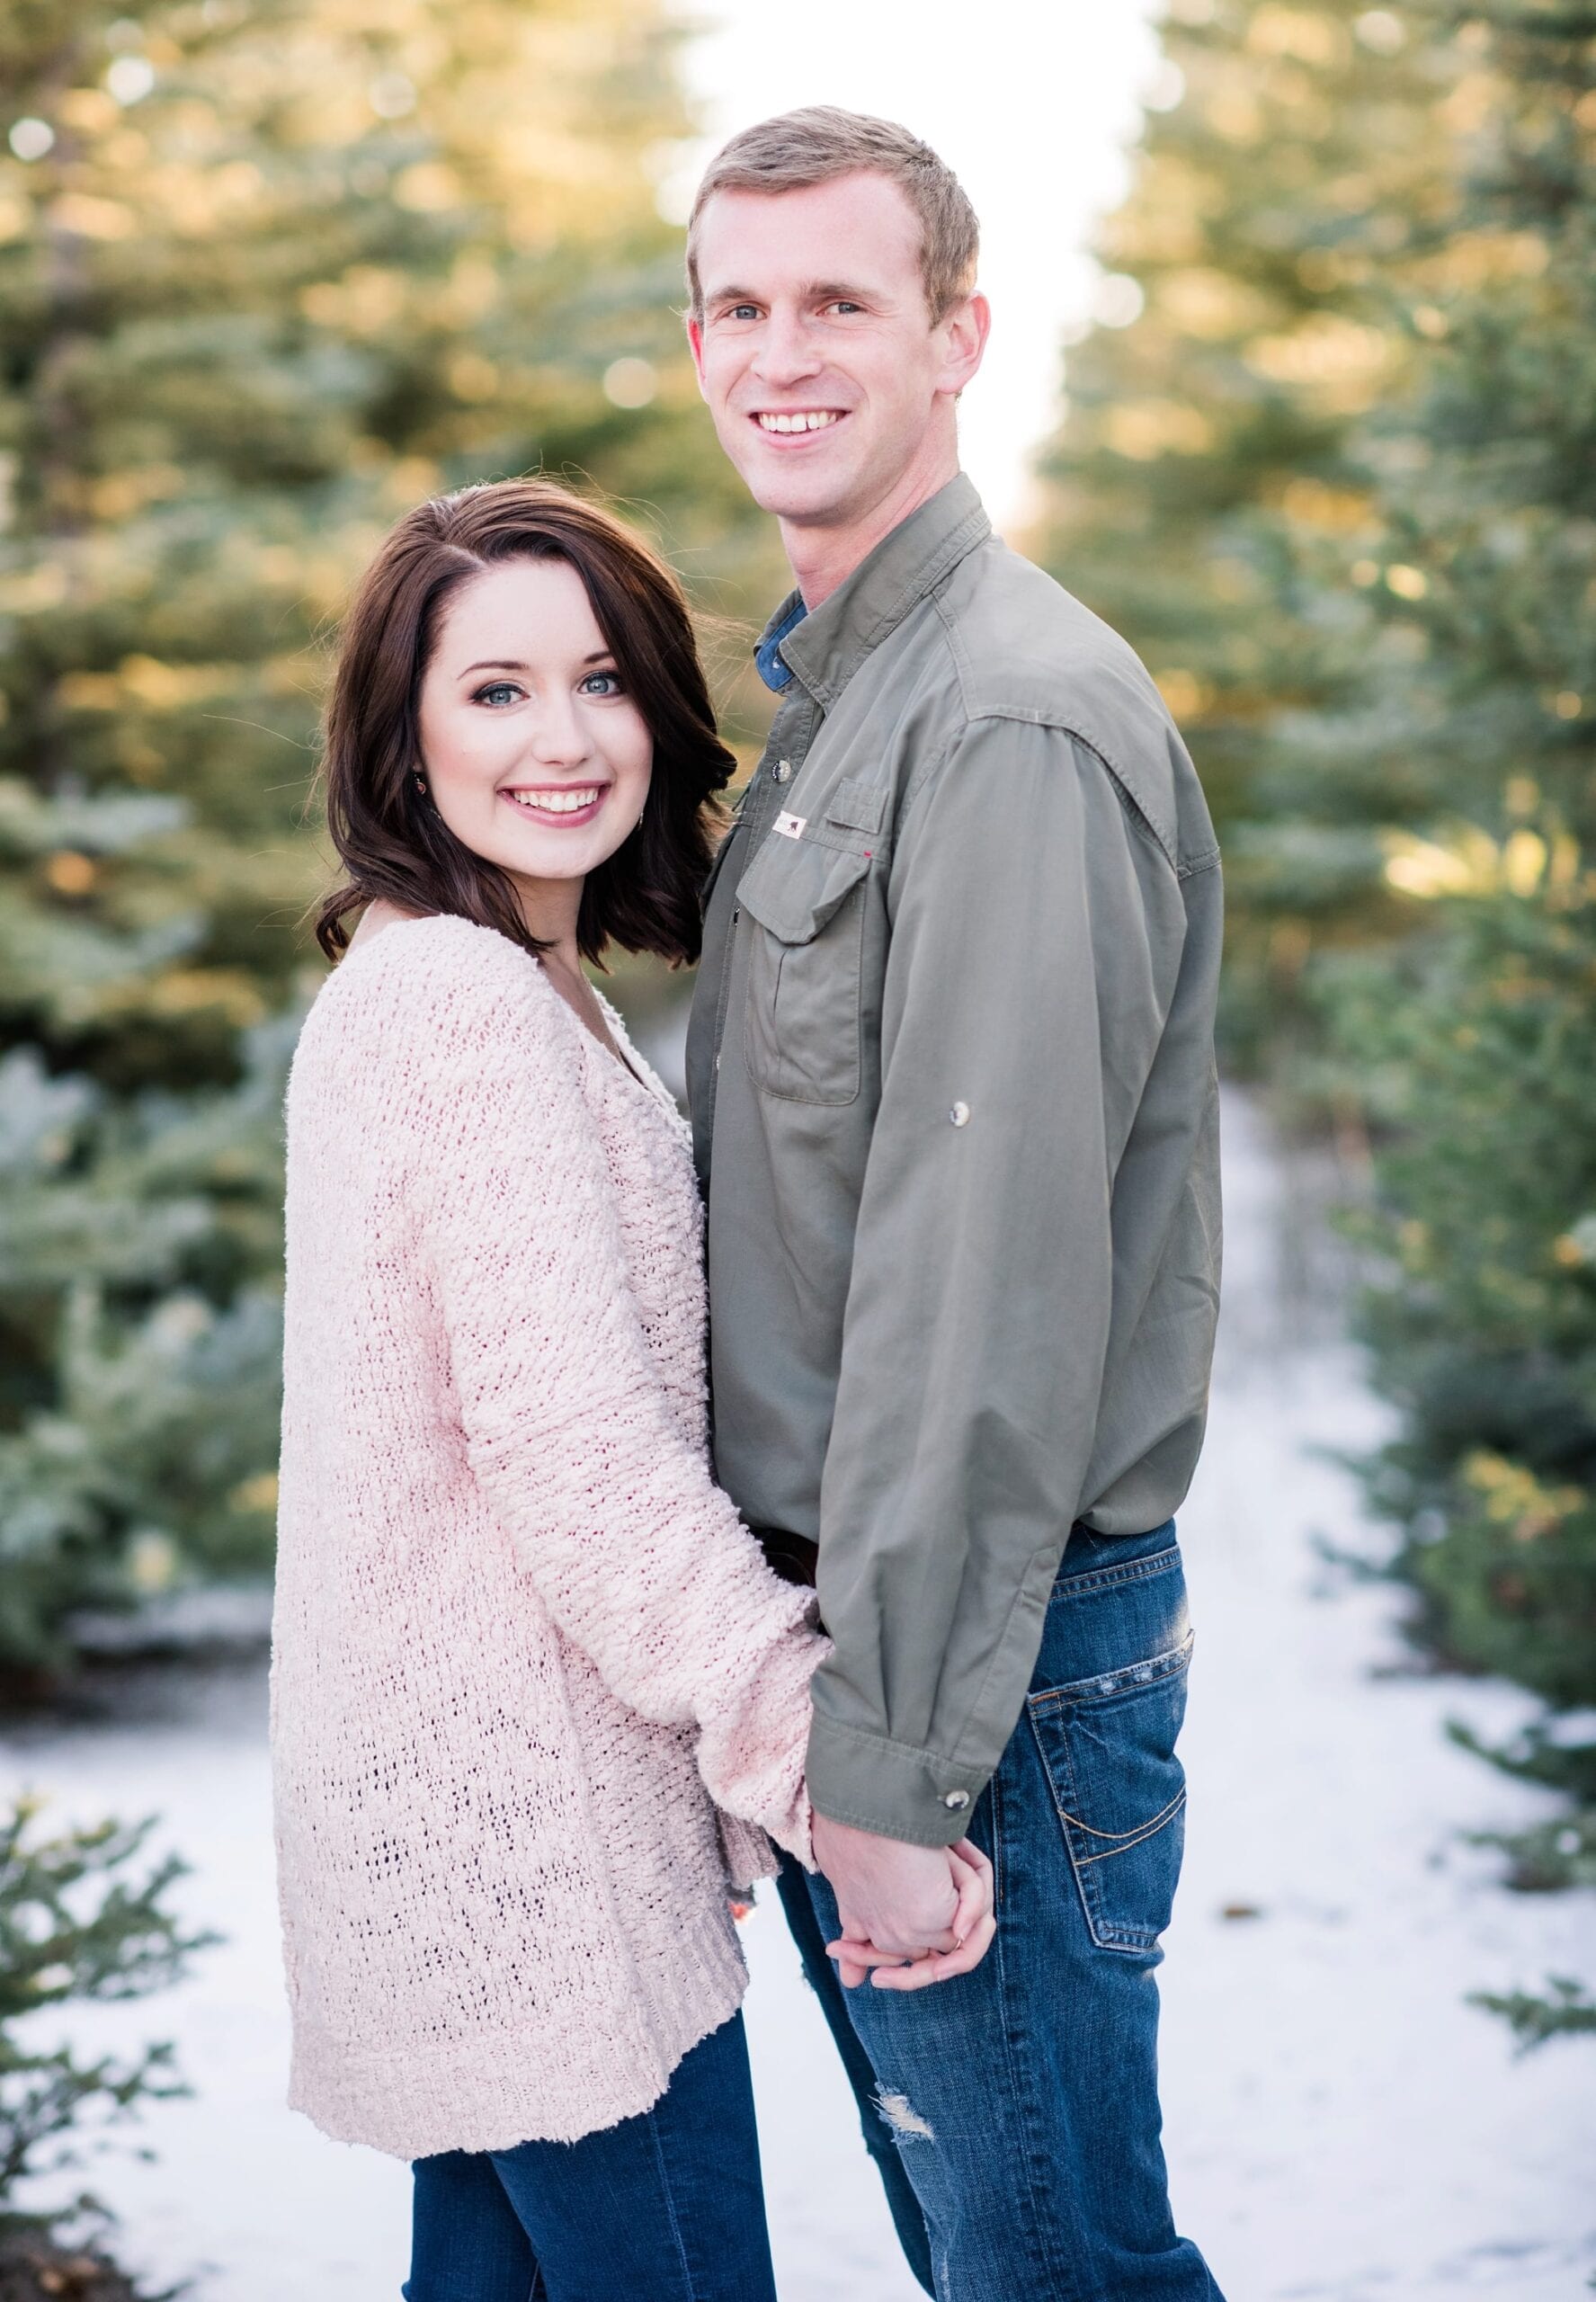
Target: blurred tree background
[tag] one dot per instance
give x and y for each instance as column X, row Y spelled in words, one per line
column 271, row 271
column 1333, row 471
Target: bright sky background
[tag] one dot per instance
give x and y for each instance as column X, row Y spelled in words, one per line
column 1034, row 102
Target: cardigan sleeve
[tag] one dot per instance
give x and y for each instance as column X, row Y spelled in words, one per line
column 640, row 1558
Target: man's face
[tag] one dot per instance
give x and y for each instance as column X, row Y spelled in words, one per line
column 815, row 350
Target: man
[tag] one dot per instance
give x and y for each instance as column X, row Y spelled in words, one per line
column 951, row 1074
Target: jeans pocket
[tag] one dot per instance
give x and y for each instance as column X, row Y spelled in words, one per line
column 1108, row 1747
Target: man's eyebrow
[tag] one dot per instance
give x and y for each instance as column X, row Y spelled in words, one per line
column 817, row 292
column 840, row 291
column 509, row 662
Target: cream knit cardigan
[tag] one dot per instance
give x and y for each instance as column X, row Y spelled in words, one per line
column 522, row 1643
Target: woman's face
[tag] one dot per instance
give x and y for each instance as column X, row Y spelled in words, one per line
column 535, row 756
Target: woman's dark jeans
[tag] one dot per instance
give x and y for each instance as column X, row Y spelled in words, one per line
column 663, row 2208
column 1013, row 2111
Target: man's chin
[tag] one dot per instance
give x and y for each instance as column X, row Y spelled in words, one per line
column 810, row 496
column 816, row 501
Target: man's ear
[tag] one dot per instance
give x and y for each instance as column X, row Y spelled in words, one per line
column 695, row 341
column 964, row 331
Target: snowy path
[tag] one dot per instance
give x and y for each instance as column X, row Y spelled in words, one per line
column 1340, row 2123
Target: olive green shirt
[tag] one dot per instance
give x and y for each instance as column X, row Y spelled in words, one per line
column 951, row 1074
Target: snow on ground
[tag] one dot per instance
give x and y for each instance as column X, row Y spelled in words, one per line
column 1340, row 2123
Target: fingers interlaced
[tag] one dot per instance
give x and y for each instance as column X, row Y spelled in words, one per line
column 956, row 1952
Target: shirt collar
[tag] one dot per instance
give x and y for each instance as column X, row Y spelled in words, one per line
column 767, row 653
column 826, row 647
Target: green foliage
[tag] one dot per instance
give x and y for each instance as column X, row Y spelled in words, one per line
column 282, row 270
column 1475, row 1049
column 1560, row 1851
column 1214, row 491
column 1472, row 1048
column 80, row 1922
column 1564, row 2010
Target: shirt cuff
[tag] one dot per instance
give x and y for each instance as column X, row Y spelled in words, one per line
column 888, row 1788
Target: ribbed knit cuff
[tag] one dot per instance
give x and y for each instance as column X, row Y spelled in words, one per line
column 751, row 1743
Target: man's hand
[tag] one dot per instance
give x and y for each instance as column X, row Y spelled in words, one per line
column 913, row 1914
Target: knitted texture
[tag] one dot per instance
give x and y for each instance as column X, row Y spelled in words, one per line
column 524, row 1647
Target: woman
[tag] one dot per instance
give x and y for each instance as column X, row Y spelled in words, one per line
column 537, row 1697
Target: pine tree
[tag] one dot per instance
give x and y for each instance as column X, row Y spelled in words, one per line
column 78, row 1925
column 1473, row 1042
column 270, row 271
column 1211, row 482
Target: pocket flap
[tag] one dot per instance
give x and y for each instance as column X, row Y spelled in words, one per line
column 857, row 805
column 793, row 887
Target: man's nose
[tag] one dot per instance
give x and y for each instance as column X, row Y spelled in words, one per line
column 786, row 352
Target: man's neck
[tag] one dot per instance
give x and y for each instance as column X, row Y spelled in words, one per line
column 822, row 558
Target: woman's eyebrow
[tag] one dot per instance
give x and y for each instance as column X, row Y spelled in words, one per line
column 509, row 663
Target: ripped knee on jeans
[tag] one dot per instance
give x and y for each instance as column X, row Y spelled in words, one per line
column 903, row 2117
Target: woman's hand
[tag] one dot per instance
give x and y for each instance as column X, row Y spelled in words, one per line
column 972, row 1926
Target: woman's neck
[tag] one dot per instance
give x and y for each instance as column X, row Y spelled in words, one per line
column 551, row 909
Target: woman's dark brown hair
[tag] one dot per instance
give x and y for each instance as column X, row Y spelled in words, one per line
column 393, row 842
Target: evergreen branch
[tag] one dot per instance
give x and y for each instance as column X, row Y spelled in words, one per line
column 83, row 1919
column 1567, row 2010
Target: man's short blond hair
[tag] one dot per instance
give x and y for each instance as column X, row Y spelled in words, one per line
column 800, row 149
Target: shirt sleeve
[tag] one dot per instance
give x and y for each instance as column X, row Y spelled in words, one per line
column 1022, row 1013
column 639, row 1557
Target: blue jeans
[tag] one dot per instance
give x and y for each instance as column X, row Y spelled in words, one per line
column 1013, row 2111
column 666, row 2206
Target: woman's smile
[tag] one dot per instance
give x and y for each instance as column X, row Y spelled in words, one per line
column 565, row 805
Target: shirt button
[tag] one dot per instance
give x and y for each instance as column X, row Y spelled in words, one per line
column 736, row 913
column 956, row 1800
column 960, row 1115
column 783, row 771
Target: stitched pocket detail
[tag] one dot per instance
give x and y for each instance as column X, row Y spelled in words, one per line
column 1109, row 1578
column 857, row 804
column 801, row 1013
column 1108, row 1747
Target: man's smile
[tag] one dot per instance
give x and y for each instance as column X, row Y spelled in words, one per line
column 783, row 423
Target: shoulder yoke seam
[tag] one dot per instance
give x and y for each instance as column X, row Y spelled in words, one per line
column 1168, row 846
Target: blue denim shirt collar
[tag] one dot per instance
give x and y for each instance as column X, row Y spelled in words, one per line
column 767, row 653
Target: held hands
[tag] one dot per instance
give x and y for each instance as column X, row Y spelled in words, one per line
column 910, row 1916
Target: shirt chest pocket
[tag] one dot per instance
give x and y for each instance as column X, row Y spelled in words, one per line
column 801, row 1016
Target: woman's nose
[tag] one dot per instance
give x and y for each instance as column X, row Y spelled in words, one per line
column 559, row 738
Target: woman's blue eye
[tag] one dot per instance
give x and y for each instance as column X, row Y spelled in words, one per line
column 602, row 683
column 499, row 694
